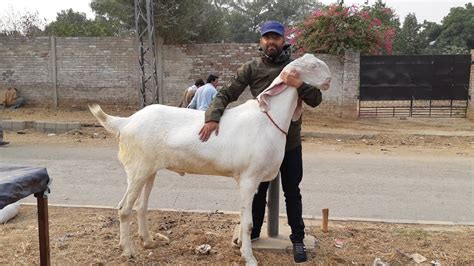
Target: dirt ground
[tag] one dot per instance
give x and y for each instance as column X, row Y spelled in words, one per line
column 90, row 236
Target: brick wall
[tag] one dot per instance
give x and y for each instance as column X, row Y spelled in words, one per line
column 26, row 64
column 102, row 69
column 87, row 69
column 105, row 70
column 186, row 63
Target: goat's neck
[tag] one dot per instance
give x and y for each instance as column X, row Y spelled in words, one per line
column 282, row 107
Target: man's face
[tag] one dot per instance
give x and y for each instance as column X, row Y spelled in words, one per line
column 272, row 44
column 215, row 83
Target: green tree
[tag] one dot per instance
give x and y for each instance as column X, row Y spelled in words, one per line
column 454, row 36
column 73, row 24
column 203, row 21
column 244, row 16
column 457, row 34
column 192, row 21
column 176, row 21
column 429, row 32
column 119, row 11
column 408, row 42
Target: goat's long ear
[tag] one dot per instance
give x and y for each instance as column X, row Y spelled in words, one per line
column 264, row 97
column 277, row 81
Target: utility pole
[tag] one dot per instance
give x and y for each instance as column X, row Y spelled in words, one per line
column 150, row 93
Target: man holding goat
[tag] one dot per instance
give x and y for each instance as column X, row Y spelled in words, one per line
column 258, row 74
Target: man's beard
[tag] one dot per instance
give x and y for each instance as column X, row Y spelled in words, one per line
column 272, row 51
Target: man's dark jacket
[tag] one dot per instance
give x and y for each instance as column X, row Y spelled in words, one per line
column 258, row 74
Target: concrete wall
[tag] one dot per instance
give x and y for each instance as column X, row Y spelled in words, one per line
column 105, row 70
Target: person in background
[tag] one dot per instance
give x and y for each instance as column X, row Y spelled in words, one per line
column 11, row 100
column 189, row 93
column 1, row 136
column 258, row 74
column 205, row 94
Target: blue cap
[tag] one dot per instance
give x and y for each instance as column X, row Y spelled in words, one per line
column 272, row 26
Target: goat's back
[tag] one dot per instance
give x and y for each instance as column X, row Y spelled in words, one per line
column 170, row 135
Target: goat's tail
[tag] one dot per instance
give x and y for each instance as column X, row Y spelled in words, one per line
column 113, row 124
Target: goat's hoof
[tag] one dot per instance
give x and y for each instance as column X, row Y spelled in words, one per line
column 148, row 242
column 250, row 261
column 129, row 254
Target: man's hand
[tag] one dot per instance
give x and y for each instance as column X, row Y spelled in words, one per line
column 207, row 130
column 291, row 78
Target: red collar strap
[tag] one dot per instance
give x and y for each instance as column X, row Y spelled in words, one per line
column 275, row 124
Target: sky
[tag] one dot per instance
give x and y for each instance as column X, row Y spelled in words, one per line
column 431, row 10
column 46, row 8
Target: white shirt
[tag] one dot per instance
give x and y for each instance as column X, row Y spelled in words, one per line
column 203, row 97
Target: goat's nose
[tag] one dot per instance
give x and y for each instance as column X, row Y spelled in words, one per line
column 326, row 84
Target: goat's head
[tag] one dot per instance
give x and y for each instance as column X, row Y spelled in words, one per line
column 312, row 71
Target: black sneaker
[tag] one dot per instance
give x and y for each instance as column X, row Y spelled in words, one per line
column 299, row 252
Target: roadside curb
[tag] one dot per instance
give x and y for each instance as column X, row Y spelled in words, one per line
column 40, row 126
column 311, row 218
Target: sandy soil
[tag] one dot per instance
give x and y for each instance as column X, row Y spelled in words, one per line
column 90, row 236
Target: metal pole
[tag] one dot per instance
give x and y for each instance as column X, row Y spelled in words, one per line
column 273, row 207
column 145, row 29
column 138, row 27
column 43, row 228
column 157, row 97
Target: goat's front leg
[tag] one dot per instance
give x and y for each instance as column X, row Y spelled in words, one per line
column 247, row 191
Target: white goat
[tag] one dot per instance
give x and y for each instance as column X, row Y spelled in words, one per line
column 249, row 148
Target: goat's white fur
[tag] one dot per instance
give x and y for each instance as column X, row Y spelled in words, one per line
column 249, row 148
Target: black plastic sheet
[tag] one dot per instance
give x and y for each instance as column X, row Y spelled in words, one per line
column 17, row 182
column 414, row 77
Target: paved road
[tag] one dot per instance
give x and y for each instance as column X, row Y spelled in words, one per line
column 436, row 188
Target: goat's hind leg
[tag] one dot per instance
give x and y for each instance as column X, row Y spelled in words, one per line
column 142, row 214
column 136, row 180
